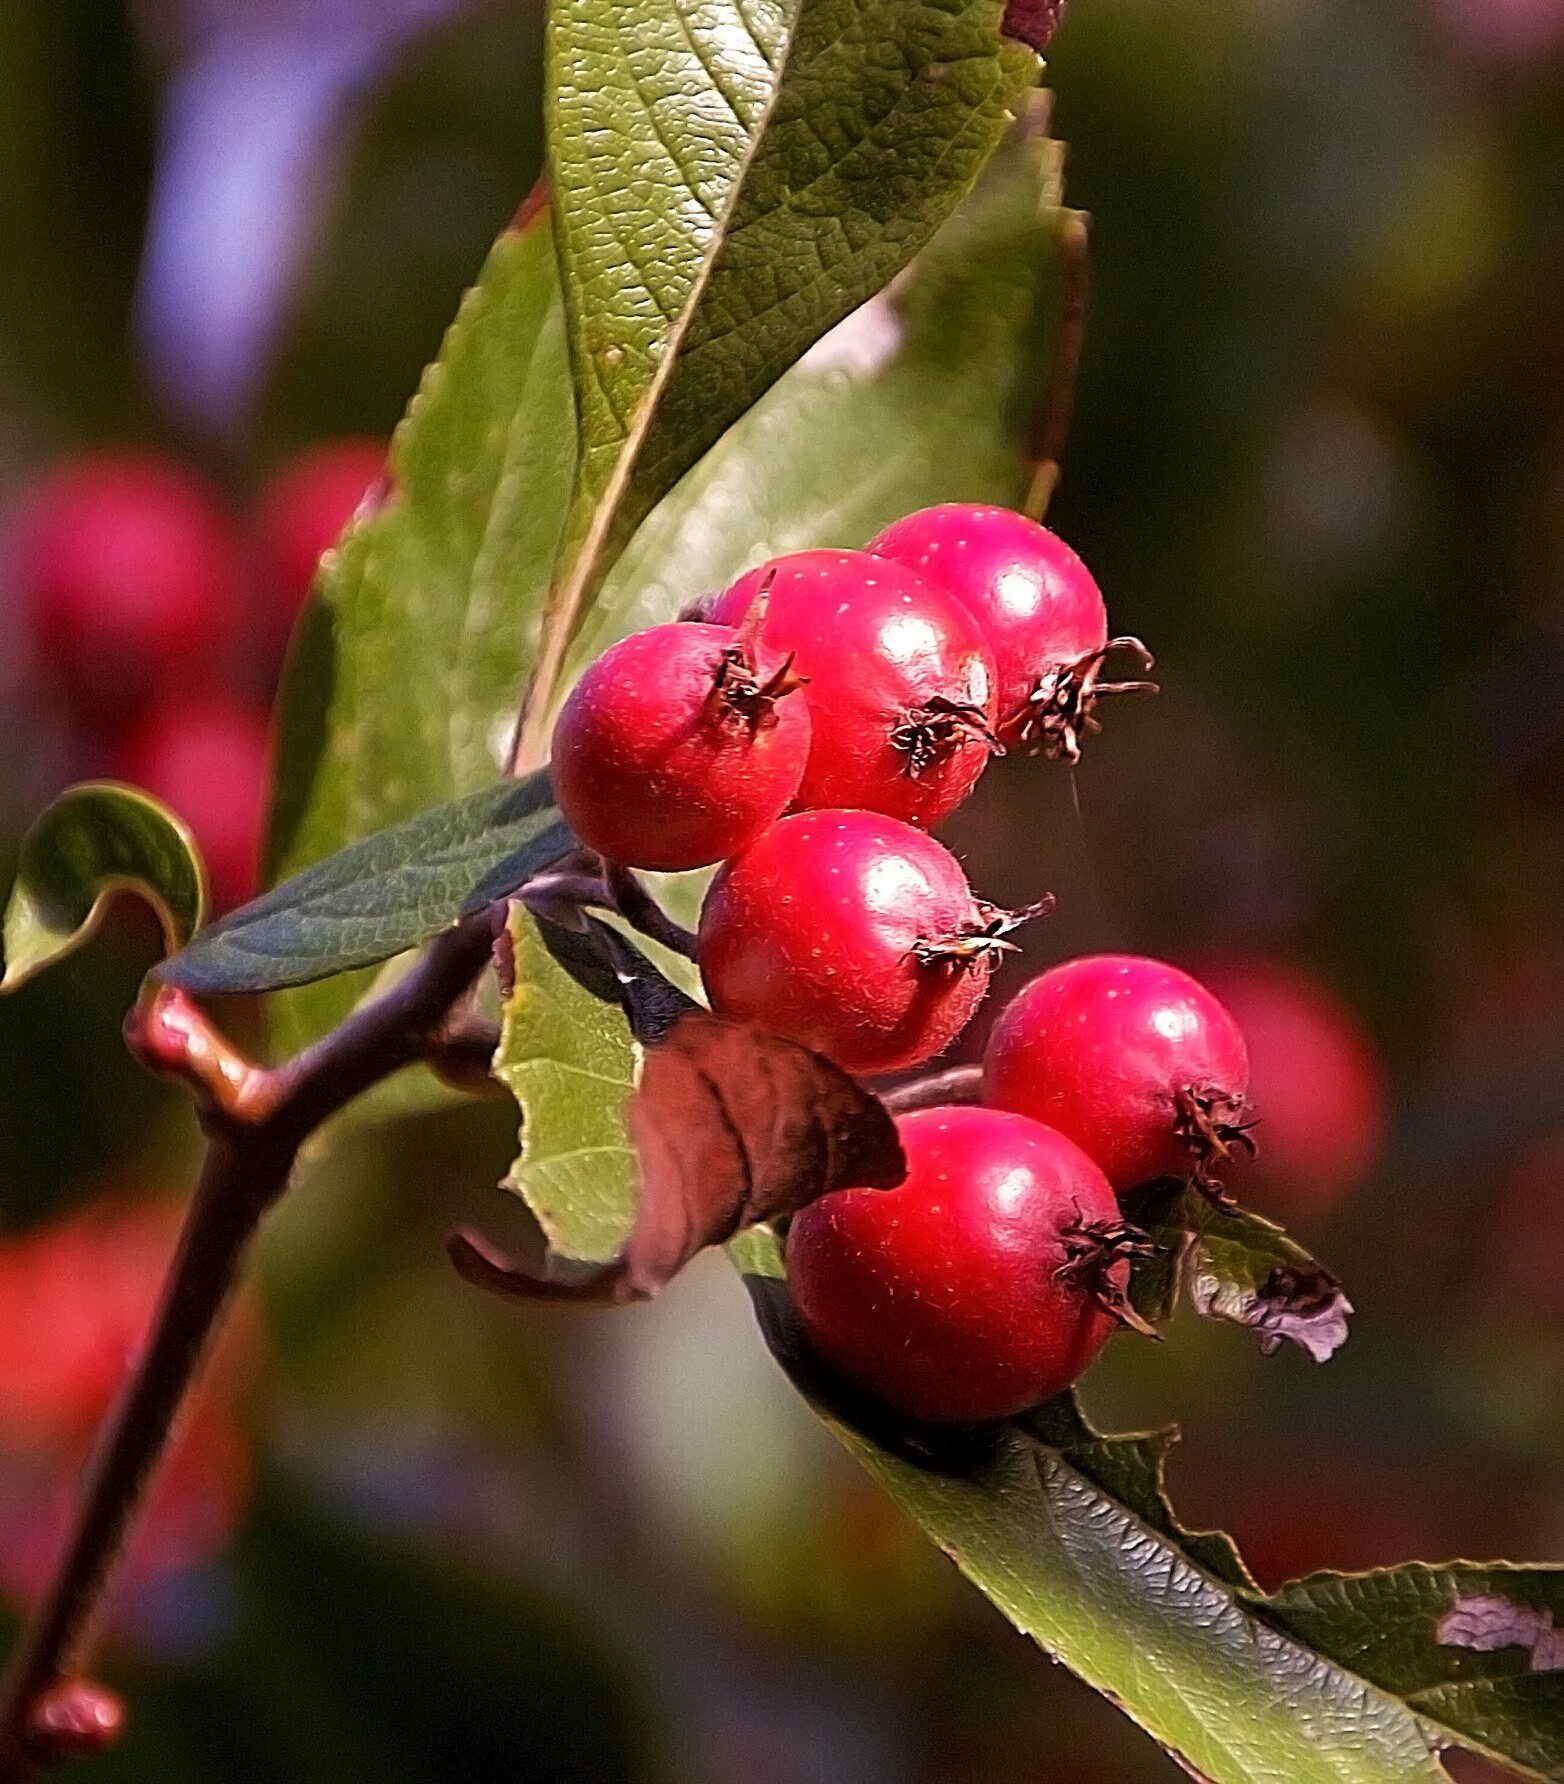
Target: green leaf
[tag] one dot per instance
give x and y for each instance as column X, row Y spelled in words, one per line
column 925, row 394
column 801, row 152
column 381, row 896
column 568, row 1059
column 93, row 841
column 402, row 687
column 1070, row 1534
column 1237, row 1267
column 1477, row 1651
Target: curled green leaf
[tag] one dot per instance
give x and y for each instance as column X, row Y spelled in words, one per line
column 93, row 841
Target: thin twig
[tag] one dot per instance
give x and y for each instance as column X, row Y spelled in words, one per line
column 256, row 1121
column 955, row 1084
column 641, row 911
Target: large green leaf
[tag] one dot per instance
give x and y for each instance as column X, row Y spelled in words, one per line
column 93, row 841
column 1477, row 1651
column 1334, row 1681
column 404, row 678
column 379, row 897
column 800, row 153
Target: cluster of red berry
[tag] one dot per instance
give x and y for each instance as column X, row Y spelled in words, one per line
column 861, row 694
column 158, row 620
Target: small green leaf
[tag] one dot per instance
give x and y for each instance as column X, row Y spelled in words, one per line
column 93, row 841
column 568, row 1059
column 802, row 152
column 1478, row 1651
column 1070, row 1534
column 1237, row 1267
column 381, row 896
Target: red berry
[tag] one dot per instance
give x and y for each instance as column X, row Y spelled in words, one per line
column 850, row 933
column 1037, row 603
column 208, row 758
column 975, row 1288
column 305, row 508
column 1315, row 1074
column 1132, row 1059
column 678, row 746
column 129, row 566
column 899, row 682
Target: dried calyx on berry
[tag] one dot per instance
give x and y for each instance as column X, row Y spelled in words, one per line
column 926, row 737
column 1215, row 1126
column 1092, row 1249
column 983, row 939
column 900, row 681
column 1040, row 610
column 1061, row 710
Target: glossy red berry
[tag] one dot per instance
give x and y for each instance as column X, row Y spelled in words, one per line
column 129, row 569
column 851, row 933
column 678, row 746
column 1315, row 1074
column 305, row 507
column 899, row 681
column 974, row 1289
column 1040, row 609
column 1134, row 1060
column 208, row 758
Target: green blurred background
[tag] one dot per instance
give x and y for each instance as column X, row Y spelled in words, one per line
column 1318, row 462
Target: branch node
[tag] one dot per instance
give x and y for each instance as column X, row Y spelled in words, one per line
column 172, row 1036
column 74, row 1720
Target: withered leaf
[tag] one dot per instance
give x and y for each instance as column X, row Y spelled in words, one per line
column 1237, row 1267
column 1486, row 1622
column 730, row 1126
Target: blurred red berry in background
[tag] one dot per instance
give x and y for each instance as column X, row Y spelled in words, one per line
column 306, row 504
column 208, row 758
column 78, row 1296
column 128, row 569
column 1316, row 1081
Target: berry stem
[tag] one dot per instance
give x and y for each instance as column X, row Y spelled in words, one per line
column 256, row 1121
column 935, row 1090
column 562, row 896
column 641, row 911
